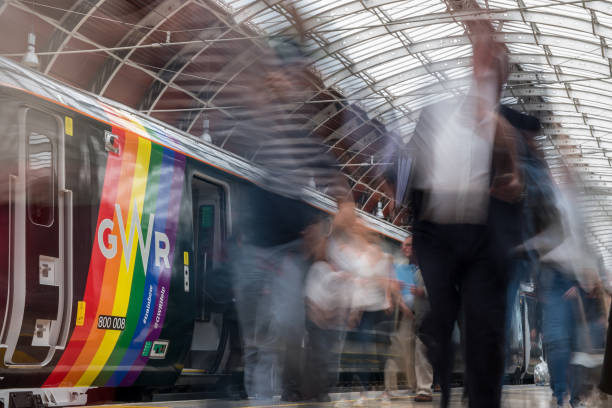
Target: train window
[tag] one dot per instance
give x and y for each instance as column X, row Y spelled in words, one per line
column 40, row 167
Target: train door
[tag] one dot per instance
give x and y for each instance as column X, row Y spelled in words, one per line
column 212, row 284
column 40, row 243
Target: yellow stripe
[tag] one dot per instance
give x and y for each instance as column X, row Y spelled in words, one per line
column 124, row 280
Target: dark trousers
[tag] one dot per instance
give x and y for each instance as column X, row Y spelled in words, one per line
column 459, row 269
column 373, row 327
column 558, row 327
column 268, row 285
column 606, row 375
column 322, row 360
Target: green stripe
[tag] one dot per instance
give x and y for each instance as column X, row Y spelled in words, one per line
column 138, row 280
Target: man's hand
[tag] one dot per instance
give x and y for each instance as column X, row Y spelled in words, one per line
column 507, row 187
column 417, row 291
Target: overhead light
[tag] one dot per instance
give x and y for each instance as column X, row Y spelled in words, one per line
column 30, row 59
column 206, row 129
column 379, row 210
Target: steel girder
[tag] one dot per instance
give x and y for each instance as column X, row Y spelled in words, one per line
column 72, row 21
column 176, row 66
column 55, row 24
column 154, row 19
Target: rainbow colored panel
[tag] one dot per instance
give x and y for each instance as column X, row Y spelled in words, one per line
column 130, row 265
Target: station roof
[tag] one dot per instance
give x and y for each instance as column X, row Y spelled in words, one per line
column 375, row 64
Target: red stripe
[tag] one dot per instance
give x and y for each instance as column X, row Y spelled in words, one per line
column 96, row 270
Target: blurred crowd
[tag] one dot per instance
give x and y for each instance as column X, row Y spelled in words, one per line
column 488, row 217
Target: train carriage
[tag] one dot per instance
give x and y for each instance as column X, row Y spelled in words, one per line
column 113, row 227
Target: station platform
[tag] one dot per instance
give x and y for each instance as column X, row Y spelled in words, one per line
column 521, row 396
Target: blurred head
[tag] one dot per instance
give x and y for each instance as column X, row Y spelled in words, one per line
column 407, row 247
column 490, row 57
column 285, row 69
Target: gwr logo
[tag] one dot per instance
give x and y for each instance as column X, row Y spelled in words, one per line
column 109, row 248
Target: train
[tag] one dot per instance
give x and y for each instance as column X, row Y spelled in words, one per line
column 113, row 227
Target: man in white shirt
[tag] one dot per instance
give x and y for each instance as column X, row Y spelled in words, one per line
column 462, row 151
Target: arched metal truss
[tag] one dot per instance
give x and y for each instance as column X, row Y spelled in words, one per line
column 377, row 64
column 561, row 71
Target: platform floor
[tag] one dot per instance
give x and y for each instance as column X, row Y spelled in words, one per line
column 525, row 396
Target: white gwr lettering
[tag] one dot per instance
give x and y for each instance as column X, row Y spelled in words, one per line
column 161, row 252
column 108, row 253
column 109, row 249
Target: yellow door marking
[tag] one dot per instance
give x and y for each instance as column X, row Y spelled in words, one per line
column 68, row 127
column 80, row 319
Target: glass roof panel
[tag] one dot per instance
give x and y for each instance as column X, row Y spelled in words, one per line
column 329, row 65
column 524, row 49
column 401, row 64
column 450, row 53
column 363, row 50
column 414, row 85
column 434, row 31
column 565, row 31
column 502, row 4
column 604, row 18
column 516, row 27
column 537, row 68
column 352, row 84
column 558, row 73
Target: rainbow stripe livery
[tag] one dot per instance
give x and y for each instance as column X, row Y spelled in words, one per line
column 130, row 266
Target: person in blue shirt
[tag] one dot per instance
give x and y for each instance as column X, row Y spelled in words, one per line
column 409, row 349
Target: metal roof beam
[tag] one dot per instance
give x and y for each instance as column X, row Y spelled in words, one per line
column 86, row 40
column 378, row 59
column 446, row 18
column 175, row 67
column 72, row 20
column 225, row 76
column 154, row 19
column 585, row 107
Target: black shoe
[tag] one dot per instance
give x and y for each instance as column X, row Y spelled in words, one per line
column 323, row 398
column 291, row 396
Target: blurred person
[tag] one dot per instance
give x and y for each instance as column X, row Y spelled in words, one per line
column 587, row 351
column 348, row 286
column 423, row 368
column 605, row 381
column 455, row 177
column 409, row 347
column 371, row 304
column 269, row 263
column 401, row 357
column 328, row 292
column 565, row 268
column 514, row 220
column 402, row 338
